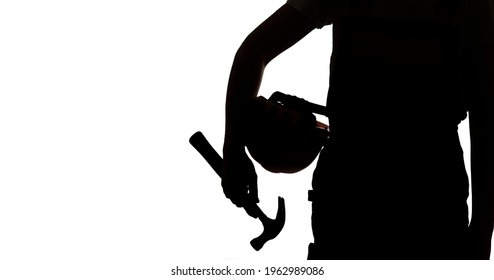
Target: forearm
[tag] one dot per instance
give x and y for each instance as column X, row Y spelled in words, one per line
column 482, row 164
column 482, row 201
column 243, row 86
column 276, row 34
column 481, row 116
column 479, row 74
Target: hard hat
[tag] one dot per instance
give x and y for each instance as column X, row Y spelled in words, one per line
column 284, row 137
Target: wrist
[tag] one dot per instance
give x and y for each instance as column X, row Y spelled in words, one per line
column 234, row 139
column 232, row 147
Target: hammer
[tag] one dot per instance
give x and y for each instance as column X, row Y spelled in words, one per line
column 271, row 227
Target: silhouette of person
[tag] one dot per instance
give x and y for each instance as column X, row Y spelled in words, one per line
column 390, row 183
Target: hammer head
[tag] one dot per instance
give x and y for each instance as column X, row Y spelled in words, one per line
column 271, row 227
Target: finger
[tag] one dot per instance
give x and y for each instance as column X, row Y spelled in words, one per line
column 226, row 188
column 238, row 194
column 238, row 199
column 253, row 191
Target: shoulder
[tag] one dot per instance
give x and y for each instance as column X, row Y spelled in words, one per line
column 321, row 12
column 479, row 20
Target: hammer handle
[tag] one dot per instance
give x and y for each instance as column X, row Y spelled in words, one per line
column 202, row 145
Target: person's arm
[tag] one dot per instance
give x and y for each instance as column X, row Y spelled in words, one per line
column 481, row 117
column 482, row 162
column 279, row 32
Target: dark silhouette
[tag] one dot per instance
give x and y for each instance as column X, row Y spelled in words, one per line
column 284, row 135
column 390, row 182
column 284, row 124
column 271, row 227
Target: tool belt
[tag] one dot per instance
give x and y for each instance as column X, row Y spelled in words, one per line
column 284, row 135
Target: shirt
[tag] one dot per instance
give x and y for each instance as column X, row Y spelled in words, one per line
column 392, row 172
column 400, row 33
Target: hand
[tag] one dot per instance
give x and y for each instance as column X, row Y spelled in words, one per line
column 239, row 178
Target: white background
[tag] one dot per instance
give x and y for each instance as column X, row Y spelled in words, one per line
column 97, row 102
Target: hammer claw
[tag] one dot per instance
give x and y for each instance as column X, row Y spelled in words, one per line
column 271, row 227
